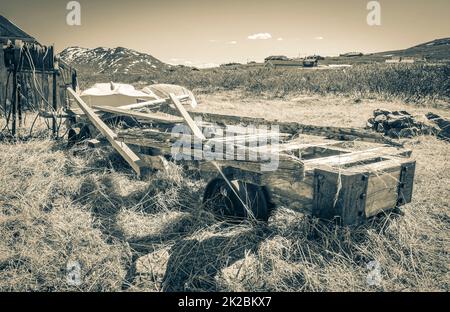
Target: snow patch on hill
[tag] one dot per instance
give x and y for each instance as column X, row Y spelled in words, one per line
column 112, row 60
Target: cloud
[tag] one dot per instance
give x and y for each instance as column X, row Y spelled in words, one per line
column 232, row 42
column 188, row 63
column 280, row 39
column 260, row 36
column 318, row 38
column 213, row 40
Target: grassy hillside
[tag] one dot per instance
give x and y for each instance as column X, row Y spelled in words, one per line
column 436, row 50
column 410, row 82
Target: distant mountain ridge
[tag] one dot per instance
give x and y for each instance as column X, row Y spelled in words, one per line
column 120, row 60
column 112, row 61
column 438, row 49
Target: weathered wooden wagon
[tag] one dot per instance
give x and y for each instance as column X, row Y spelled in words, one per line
column 341, row 174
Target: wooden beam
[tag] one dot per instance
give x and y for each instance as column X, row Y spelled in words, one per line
column 153, row 134
column 358, row 157
column 54, row 103
column 14, row 103
column 152, row 103
column 339, row 197
column 133, row 160
column 296, row 127
column 191, row 124
column 159, row 117
column 98, row 123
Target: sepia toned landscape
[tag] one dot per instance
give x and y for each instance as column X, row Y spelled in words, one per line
column 96, row 186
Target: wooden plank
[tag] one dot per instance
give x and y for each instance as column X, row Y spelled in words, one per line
column 159, row 117
column 190, row 122
column 382, row 192
column 152, row 103
column 295, row 195
column 133, row 160
column 54, row 102
column 164, row 143
column 390, row 184
column 287, row 170
column 153, row 134
column 299, row 144
column 405, row 188
column 382, row 188
column 357, row 157
column 339, row 196
column 296, row 127
column 383, row 177
column 98, row 123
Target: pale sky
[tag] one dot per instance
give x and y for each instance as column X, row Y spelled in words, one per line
column 212, row 32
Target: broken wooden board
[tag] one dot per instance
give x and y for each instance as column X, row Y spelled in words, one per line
column 190, row 122
column 356, row 157
column 158, row 117
column 339, row 133
column 152, row 135
column 153, row 103
column 95, row 120
column 133, row 160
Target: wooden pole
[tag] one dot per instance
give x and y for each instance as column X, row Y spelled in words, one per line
column 14, row 103
column 19, row 103
column 55, row 104
column 133, row 160
column 74, row 81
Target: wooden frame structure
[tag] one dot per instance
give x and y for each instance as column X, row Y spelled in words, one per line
column 333, row 173
column 36, row 78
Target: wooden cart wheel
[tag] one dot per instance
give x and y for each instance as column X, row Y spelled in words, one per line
column 221, row 199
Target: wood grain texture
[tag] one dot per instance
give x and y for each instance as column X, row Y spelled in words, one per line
column 133, row 160
column 189, row 121
column 158, row 117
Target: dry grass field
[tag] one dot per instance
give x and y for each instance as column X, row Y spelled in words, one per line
column 81, row 204
column 415, row 83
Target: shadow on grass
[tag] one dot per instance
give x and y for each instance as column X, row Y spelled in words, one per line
column 193, row 263
column 201, row 246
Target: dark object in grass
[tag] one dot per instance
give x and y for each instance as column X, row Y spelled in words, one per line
column 442, row 123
